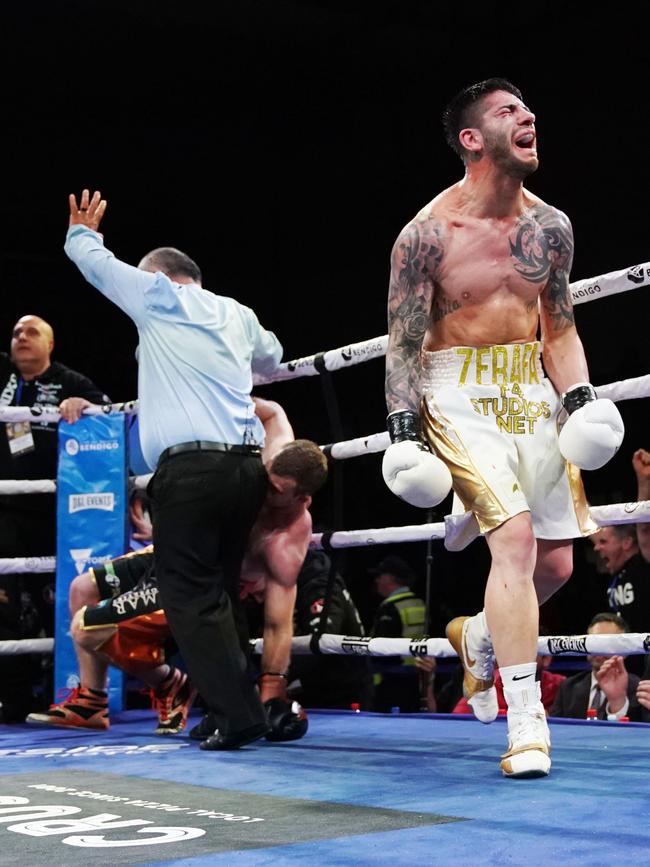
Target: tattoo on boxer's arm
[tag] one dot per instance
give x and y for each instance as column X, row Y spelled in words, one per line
column 542, row 248
column 416, row 255
column 557, row 303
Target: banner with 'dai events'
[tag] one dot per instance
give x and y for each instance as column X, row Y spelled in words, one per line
column 91, row 524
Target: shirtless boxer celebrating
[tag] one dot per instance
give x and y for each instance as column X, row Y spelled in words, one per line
column 473, row 277
column 129, row 629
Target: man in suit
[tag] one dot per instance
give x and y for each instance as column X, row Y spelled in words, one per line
column 607, row 687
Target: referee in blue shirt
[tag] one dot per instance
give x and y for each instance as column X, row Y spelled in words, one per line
column 198, row 428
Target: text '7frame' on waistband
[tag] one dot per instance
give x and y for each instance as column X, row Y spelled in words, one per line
column 499, row 365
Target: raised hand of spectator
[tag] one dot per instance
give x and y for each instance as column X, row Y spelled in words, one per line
column 641, row 464
column 613, row 679
column 643, row 693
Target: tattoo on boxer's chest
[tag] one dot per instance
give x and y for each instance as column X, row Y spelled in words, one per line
column 533, row 250
column 443, row 307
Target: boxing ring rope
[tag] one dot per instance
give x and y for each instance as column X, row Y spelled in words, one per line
column 617, row 513
column 625, row 644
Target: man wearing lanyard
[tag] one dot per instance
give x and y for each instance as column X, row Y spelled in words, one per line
column 28, row 450
column 198, row 428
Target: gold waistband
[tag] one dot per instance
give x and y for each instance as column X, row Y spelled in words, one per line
column 502, row 364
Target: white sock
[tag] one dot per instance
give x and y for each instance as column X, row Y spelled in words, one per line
column 520, row 687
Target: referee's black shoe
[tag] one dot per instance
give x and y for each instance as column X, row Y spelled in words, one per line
column 234, row 740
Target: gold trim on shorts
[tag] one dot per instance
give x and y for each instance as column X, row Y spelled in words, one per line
column 586, row 523
column 82, row 622
column 470, row 486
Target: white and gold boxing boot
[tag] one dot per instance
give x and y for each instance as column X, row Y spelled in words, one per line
column 470, row 638
column 529, row 739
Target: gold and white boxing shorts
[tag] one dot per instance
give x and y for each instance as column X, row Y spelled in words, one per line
column 491, row 415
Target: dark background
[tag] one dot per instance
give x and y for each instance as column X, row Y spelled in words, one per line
column 283, row 145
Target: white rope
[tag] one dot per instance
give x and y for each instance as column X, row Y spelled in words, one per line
column 610, row 284
column 558, row 645
column 27, row 486
column 383, row 536
column 51, row 414
column 371, row 444
column 333, row 359
column 625, row 644
column 618, row 513
column 626, row 389
column 26, row 645
column 621, row 513
column 21, row 565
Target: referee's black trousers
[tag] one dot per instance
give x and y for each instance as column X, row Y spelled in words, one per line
column 204, row 505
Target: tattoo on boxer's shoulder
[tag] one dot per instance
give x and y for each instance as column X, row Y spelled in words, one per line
column 416, row 255
column 542, row 248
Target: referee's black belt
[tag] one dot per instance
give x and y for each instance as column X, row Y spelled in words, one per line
column 203, row 446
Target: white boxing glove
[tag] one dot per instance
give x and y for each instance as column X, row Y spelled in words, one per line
column 594, row 430
column 409, row 469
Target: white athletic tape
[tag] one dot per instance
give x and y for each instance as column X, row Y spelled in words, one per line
column 558, row 645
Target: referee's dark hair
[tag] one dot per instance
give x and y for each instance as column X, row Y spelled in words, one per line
column 172, row 262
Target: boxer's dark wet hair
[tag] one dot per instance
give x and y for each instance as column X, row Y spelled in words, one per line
column 462, row 110
column 303, row 461
column 172, row 262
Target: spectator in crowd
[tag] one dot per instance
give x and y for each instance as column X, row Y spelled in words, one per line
column 399, row 681
column 29, row 377
column 628, row 593
column 606, row 686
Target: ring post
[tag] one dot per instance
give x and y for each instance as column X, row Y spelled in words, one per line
column 91, row 525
